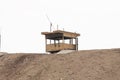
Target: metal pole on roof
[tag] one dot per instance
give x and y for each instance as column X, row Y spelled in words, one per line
column 50, row 23
column 57, row 26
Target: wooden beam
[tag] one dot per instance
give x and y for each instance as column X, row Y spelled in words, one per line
column 45, row 43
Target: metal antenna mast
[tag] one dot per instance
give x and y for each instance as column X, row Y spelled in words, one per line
column 50, row 22
column 57, row 26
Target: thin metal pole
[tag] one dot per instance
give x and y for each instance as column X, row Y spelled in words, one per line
column 0, row 38
column 57, row 26
column 50, row 27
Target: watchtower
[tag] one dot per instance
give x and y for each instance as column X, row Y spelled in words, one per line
column 60, row 40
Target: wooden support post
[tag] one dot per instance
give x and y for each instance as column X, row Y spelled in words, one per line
column 63, row 42
column 50, row 41
column 76, row 43
column 55, row 43
column 58, row 43
column 72, row 41
column 46, row 43
column 62, row 39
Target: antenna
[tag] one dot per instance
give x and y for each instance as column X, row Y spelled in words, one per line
column 63, row 29
column 57, row 26
column 50, row 22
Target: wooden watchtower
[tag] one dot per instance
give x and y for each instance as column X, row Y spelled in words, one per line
column 60, row 40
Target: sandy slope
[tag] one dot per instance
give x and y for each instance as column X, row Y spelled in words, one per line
column 81, row 65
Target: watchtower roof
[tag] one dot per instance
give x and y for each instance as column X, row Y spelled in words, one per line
column 57, row 34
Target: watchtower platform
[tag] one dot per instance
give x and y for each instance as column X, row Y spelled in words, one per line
column 60, row 40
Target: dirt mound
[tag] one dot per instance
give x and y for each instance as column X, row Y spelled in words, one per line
column 81, row 65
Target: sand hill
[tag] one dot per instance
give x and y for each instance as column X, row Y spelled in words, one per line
column 80, row 65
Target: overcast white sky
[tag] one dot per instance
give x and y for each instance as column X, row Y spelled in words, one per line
column 22, row 21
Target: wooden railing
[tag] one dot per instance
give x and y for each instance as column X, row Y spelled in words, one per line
column 60, row 46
